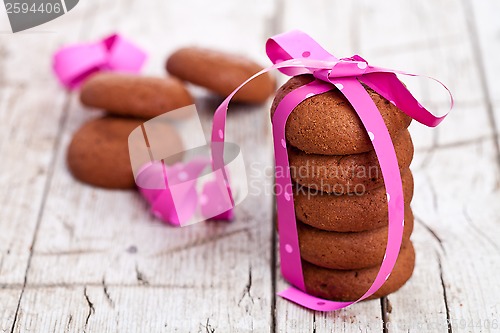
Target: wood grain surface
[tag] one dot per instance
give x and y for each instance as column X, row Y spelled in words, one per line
column 74, row 258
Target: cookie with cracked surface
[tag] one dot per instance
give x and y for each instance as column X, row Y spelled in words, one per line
column 327, row 124
column 349, row 212
column 350, row 285
column 346, row 250
column 99, row 155
column 343, row 174
column 132, row 95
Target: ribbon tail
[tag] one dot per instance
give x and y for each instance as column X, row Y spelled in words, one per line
column 297, row 296
column 295, row 44
column 289, row 249
column 387, row 84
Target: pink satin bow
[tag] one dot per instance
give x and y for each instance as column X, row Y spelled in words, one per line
column 295, row 53
column 177, row 202
column 73, row 64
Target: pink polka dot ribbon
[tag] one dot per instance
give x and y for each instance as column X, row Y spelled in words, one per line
column 177, row 201
column 295, row 53
column 176, row 179
column 73, row 64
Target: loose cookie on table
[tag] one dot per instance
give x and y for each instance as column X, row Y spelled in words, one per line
column 349, row 212
column 349, row 285
column 327, row 123
column 221, row 73
column 98, row 153
column 134, row 96
column 343, row 174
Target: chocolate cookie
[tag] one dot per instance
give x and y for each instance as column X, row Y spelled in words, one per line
column 346, row 250
column 134, row 96
column 343, row 174
column 350, row 212
column 222, row 73
column 342, row 285
column 327, row 123
column 98, row 153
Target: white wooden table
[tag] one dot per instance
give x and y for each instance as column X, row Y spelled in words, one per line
column 79, row 259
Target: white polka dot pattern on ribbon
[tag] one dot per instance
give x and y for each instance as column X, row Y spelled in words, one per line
column 221, row 134
column 283, row 143
column 371, row 136
column 182, row 176
column 203, row 199
column 393, row 103
column 310, row 95
column 287, row 196
column 388, row 197
column 361, row 65
column 339, row 86
column 288, row 248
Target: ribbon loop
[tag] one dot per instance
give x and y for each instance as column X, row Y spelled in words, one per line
column 347, row 68
column 73, row 64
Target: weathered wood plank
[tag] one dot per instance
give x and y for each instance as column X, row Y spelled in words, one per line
column 464, row 224
column 419, row 38
column 9, row 299
column 484, row 32
column 435, row 46
column 31, row 112
column 25, row 148
column 101, row 263
column 215, row 272
column 134, row 309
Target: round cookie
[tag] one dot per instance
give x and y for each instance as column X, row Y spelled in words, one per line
column 134, row 96
column 343, row 174
column 350, row 212
column 327, row 124
column 98, row 153
column 350, row 285
column 347, row 250
column 221, row 73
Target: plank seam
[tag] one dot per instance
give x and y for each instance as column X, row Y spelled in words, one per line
column 385, row 317
column 431, row 231
column 276, row 26
column 448, row 318
column 478, row 57
column 48, row 182
column 57, row 143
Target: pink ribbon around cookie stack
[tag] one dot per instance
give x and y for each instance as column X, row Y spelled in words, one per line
column 295, row 53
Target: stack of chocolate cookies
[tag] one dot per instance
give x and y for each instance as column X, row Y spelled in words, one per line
column 340, row 198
